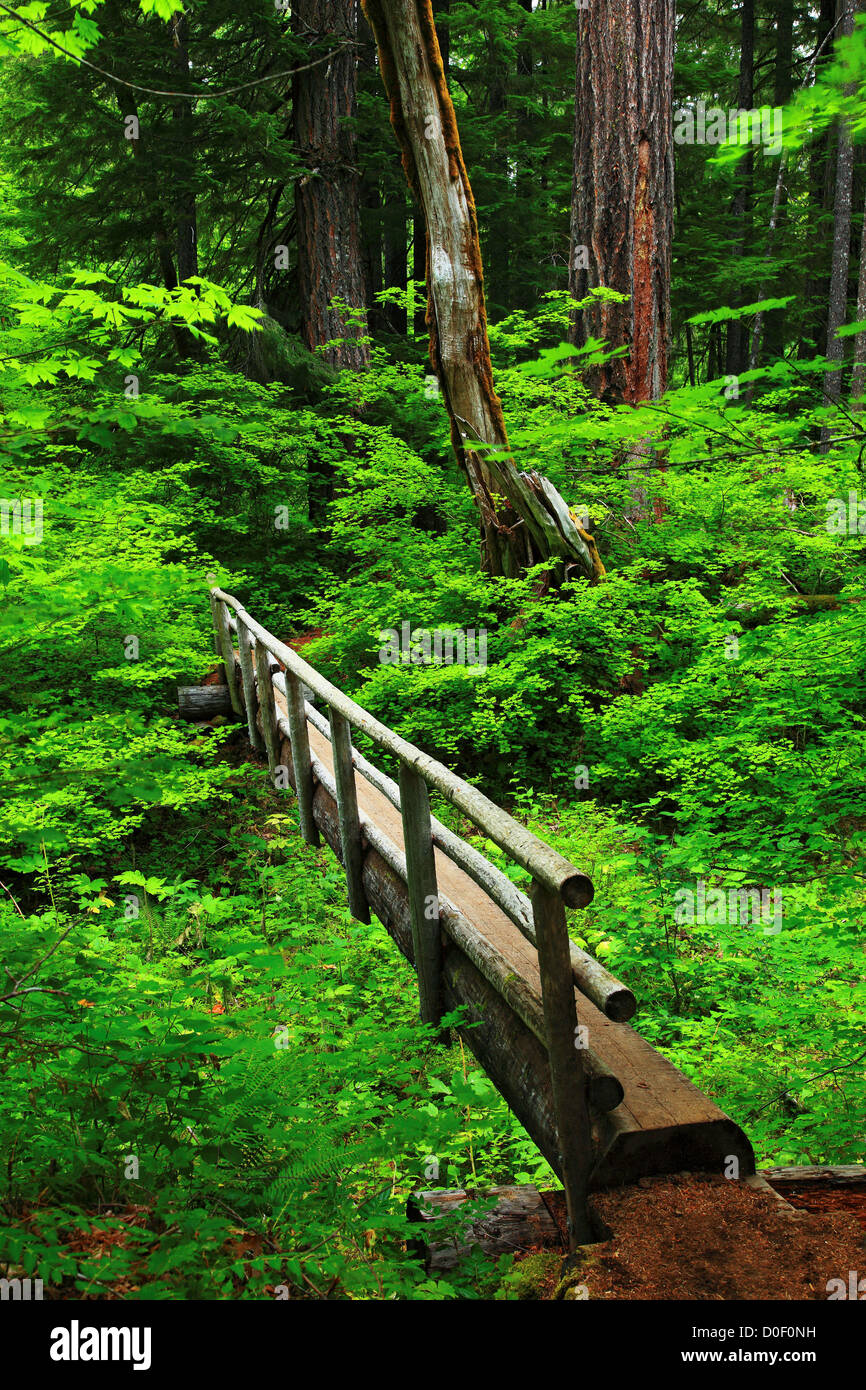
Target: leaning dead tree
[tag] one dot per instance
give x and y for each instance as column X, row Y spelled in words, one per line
column 524, row 519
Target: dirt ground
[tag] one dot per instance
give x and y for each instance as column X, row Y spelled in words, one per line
column 697, row 1236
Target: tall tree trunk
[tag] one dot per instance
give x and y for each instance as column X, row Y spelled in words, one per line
column 820, row 197
column 858, row 374
column 838, row 302
column 499, row 232
column 371, row 210
column 523, row 517
column 783, row 77
column 396, row 262
column 623, row 189
column 150, row 196
column 327, row 197
column 371, row 248
column 782, row 94
column 183, row 163
column 741, row 208
column 783, row 87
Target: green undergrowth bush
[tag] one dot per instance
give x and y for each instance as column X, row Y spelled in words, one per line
column 217, row 1086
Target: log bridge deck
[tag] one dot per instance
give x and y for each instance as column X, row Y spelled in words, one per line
column 546, row 1021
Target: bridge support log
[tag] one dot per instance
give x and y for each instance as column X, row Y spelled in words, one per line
column 566, row 1063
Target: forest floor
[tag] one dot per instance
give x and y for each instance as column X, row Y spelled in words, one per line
column 696, row 1236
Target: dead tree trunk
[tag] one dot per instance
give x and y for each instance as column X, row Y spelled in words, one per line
column 441, row 9
column 623, row 189
column 328, row 196
column 524, row 519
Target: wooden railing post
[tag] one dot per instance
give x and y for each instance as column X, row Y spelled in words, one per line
column 301, row 761
column 567, row 1078
column 423, row 891
column 268, row 707
column 347, row 811
column 225, row 649
column 249, row 682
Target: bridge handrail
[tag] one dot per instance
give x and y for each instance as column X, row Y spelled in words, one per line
column 545, row 864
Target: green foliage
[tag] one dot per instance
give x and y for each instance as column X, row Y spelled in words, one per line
column 184, row 987
column 220, row 1072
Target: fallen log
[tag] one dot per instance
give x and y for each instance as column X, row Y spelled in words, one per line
column 203, row 701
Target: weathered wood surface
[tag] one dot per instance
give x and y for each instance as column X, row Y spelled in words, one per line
column 832, row 1176
column 299, row 757
column 248, row 683
column 224, row 648
column 350, row 826
column 519, row 1221
column 267, row 711
column 664, row 1123
column 203, row 701
column 591, row 977
column 565, row 1058
column 423, row 891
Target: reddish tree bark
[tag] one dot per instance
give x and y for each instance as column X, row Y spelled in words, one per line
column 327, row 197
column 838, row 300
column 858, row 374
column 623, row 189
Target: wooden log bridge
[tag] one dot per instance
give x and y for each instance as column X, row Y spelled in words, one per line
column 546, row 1021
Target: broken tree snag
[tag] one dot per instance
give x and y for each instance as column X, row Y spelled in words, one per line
column 520, row 527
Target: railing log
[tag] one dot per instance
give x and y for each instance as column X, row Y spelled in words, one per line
column 423, row 891
column 301, row 761
column 248, row 681
column 224, row 646
column 347, row 805
column 610, row 995
column 268, row 708
column 545, row 864
column 604, row 1090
